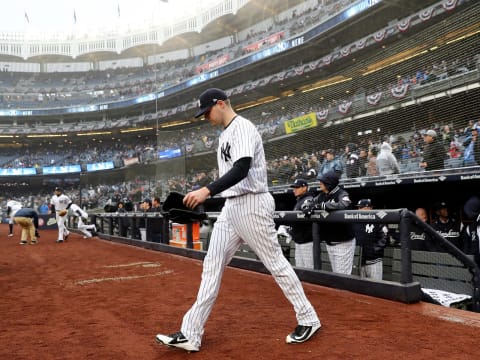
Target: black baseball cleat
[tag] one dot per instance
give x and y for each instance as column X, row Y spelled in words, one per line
column 302, row 333
column 59, row 241
column 23, row 242
column 177, row 340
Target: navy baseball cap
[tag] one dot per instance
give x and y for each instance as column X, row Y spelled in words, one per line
column 299, row 183
column 364, row 203
column 209, row 98
column 440, row 205
column 58, row 188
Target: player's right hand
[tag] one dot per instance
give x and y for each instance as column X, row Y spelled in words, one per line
column 196, row 197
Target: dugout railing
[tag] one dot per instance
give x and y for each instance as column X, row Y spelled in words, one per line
column 405, row 285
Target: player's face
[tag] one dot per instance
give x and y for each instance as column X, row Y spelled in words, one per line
column 214, row 115
column 298, row 191
column 422, row 214
column 208, row 113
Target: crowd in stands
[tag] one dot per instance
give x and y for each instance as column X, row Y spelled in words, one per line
column 404, row 151
column 27, row 90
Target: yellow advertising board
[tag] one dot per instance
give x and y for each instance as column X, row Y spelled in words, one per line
column 306, row 121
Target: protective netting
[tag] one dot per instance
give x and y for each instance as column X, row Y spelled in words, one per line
column 385, row 88
column 423, row 77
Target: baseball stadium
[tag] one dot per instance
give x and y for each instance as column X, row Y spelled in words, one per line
column 355, row 121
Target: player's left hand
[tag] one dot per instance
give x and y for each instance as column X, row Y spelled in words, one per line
column 195, row 198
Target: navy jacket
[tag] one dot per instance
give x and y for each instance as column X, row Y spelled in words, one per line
column 302, row 232
column 28, row 212
column 336, row 199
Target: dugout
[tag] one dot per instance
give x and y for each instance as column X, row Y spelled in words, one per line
column 404, row 288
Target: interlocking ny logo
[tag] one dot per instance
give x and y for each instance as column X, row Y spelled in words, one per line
column 369, row 228
column 225, row 149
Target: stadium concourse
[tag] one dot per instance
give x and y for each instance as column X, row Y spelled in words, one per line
column 90, row 298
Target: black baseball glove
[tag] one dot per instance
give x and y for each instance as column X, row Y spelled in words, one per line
column 308, row 207
column 176, row 211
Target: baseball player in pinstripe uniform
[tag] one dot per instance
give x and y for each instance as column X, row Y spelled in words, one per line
column 60, row 202
column 82, row 217
column 373, row 240
column 12, row 207
column 247, row 216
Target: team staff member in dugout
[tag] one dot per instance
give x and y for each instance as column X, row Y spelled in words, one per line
column 247, row 216
column 302, row 233
column 340, row 238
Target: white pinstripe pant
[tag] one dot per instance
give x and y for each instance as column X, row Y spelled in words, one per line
column 62, row 229
column 341, row 256
column 248, row 218
column 304, row 255
column 372, row 270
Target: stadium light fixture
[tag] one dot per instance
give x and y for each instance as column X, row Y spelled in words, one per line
column 325, row 83
column 136, row 130
column 46, row 135
column 95, row 133
column 175, row 123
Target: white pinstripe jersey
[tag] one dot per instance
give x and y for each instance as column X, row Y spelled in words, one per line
column 78, row 211
column 14, row 207
column 60, row 202
column 238, row 140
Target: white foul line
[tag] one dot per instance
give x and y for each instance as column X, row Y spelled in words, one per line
column 122, row 278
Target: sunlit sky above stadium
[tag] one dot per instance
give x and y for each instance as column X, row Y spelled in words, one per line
column 52, row 16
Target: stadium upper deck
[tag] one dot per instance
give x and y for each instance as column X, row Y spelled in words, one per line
column 95, row 104
column 391, row 77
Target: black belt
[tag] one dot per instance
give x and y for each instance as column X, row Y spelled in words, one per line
column 236, row 196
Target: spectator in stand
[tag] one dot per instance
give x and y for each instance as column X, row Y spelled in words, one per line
column 372, row 238
column 433, row 153
column 352, row 166
column 446, row 226
column 43, row 208
column 447, row 136
column 330, row 163
column 286, row 171
column 372, row 161
column 386, row 162
column 362, row 162
column 453, row 151
column 472, row 147
column 156, row 205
